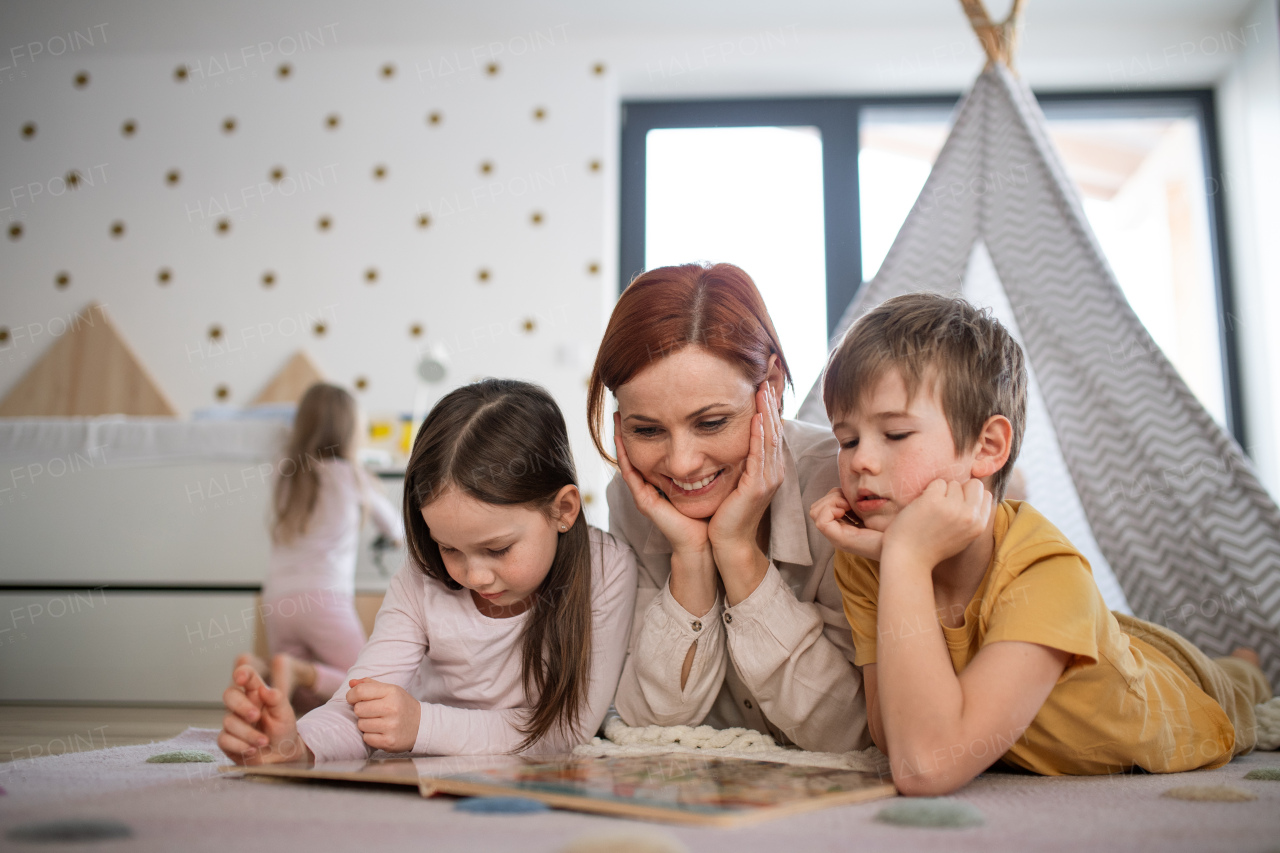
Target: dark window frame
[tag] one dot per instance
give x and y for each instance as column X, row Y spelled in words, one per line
column 838, row 118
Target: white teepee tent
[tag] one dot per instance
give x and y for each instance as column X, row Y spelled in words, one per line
column 1173, row 504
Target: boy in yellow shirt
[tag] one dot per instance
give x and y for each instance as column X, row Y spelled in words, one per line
column 981, row 633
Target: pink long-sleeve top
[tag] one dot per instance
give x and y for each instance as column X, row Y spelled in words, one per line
column 324, row 556
column 464, row 667
column 781, row 660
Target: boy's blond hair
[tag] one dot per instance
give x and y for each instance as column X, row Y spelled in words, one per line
column 978, row 367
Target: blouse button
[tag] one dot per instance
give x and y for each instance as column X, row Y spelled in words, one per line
column 747, row 702
column 697, row 624
column 728, row 617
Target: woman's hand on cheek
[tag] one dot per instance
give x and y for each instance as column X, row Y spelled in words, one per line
column 686, row 535
column 387, row 716
column 830, row 515
column 733, row 527
column 941, row 522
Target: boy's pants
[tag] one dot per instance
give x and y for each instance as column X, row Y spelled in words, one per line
column 1235, row 684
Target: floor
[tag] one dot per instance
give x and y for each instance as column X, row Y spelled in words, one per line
column 28, row 731
column 196, row 807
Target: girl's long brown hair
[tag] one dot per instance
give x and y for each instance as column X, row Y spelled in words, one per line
column 323, row 428
column 504, row 442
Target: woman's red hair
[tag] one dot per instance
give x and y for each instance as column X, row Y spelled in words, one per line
column 664, row 310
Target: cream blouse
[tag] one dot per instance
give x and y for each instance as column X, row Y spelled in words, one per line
column 781, row 660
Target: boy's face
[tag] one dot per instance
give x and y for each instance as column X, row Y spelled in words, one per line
column 892, row 447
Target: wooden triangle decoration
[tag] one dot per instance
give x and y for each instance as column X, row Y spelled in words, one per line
column 90, row 370
column 288, row 386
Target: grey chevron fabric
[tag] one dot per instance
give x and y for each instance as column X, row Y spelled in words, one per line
column 1174, row 504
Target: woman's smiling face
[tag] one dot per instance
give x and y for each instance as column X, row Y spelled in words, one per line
column 686, row 427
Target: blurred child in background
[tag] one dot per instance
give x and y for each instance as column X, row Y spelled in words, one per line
column 320, row 501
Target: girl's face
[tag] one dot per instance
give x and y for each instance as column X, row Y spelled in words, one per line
column 686, row 427
column 501, row 553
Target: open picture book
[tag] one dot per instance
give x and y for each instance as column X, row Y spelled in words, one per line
column 674, row 787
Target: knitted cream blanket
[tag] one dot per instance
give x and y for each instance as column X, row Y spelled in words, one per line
column 621, row 739
column 1268, row 714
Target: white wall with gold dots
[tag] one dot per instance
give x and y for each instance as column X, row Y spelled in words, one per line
column 368, row 205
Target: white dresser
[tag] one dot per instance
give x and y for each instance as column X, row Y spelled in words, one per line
column 131, row 555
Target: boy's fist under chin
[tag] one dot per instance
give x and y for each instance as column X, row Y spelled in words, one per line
column 386, row 714
column 942, row 521
column 830, row 515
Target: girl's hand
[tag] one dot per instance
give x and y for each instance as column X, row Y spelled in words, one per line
column 386, row 714
column 831, row 514
column 734, row 526
column 686, row 535
column 260, row 726
column 940, row 523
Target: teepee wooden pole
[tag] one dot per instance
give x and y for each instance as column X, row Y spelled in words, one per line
column 999, row 40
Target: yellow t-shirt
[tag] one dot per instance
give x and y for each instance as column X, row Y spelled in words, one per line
column 1120, row 703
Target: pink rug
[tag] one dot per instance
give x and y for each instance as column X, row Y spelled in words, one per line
column 192, row 807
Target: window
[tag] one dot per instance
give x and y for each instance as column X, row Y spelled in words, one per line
column 772, row 186
column 752, row 195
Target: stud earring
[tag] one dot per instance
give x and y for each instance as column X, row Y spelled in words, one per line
column 563, row 528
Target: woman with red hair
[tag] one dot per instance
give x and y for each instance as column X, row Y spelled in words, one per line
column 738, row 618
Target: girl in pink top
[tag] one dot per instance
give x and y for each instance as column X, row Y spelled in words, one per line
column 507, row 628
column 308, row 600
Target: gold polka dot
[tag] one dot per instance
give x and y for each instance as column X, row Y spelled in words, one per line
column 29, row 130
column 593, row 267
column 379, row 172
column 164, row 275
column 536, row 217
column 172, row 177
column 215, row 332
column 15, row 231
column 324, row 223
column 539, row 114
column 62, row 279
column 598, row 69
column 277, row 173
column 415, row 331
column 588, row 498
column 268, row 278
column 320, row 329
column 222, row 392
column 361, row 383
column 388, row 71
column 486, row 167
column 228, row 125
column 424, row 221
column 82, row 79
column 223, row 226
column 434, row 118
column 371, row 275
column 72, row 179
column 332, row 121
column 129, row 128
column 594, row 165
column 117, row 229
column 180, row 74
column 483, row 275
column 529, row 325
column 492, row 69
column 4, row 334
column 284, row 70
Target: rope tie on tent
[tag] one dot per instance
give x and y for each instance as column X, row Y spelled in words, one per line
column 999, row 40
